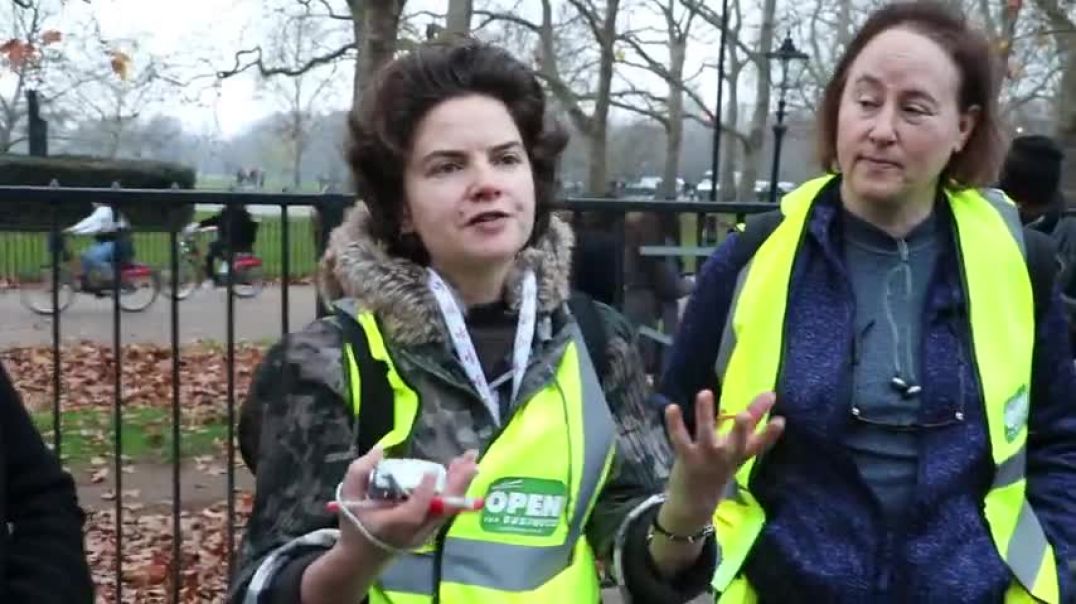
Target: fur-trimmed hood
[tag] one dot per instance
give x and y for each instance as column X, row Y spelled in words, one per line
column 357, row 266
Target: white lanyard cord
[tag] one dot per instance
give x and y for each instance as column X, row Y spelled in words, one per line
column 461, row 339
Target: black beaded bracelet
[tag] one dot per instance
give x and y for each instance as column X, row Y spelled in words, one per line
column 657, row 529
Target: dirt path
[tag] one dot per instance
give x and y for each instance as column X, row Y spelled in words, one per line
column 150, row 485
column 201, row 317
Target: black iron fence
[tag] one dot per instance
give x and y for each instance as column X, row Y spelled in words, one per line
column 47, row 279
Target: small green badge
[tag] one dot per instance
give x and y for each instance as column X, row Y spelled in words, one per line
column 1016, row 410
column 524, row 506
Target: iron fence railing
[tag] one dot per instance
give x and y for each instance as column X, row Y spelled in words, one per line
column 293, row 252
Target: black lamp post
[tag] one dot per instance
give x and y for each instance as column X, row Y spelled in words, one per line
column 785, row 54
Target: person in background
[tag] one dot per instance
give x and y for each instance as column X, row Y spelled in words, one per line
column 235, row 228
column 653, row 284
column 594, row 258
column 910, row 332
column 112, row 243
column 42, row 555
column 1031, row 176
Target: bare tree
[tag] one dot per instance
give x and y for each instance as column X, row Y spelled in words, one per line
column 669, row 110
column 1064, row 34
column 296, row 39
column 366, row 34
column 760, row 117
column 731, row 153
column 120, row 83
column 576, row 90
column 27, row 50
column 458, row 21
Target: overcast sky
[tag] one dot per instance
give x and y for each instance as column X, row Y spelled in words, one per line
column 211, row 30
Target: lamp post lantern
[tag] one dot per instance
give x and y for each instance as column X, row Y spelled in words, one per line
column 785, row 54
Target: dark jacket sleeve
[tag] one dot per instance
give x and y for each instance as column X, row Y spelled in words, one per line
column 303, row 439
column 1051, row 445
column 690, row 367
column 641, row 468
column 213, row 220
column 46, row 558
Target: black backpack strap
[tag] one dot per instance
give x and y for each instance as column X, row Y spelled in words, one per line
column 1043, row 267
column 376, row 412
column 585, row 311
column 756, row 229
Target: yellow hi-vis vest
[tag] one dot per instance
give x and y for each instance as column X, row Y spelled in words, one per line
column 540, row 479
column 1002, row 329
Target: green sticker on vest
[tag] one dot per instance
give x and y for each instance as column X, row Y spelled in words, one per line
column 1016, row 410
column 524, row 506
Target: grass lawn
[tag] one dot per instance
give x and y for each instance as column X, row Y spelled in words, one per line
column 146, row 435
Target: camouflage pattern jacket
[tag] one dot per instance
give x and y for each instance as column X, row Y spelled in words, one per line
column 305, row 430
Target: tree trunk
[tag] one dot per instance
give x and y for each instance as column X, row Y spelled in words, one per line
column 757, row 133
column 378, row 24
column 458, row 22
column 674, row 127
column 358, row 22
column 12, row 117
column 5, row 135
column 298, row 140
column 297, row 166
column 600, row 120
column 844, row 23
column 597, row 176
column 730, row 151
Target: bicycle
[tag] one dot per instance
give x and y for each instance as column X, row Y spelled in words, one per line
column 248, row 280
column 139, row 284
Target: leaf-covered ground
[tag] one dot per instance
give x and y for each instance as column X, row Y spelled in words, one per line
column 87, row 404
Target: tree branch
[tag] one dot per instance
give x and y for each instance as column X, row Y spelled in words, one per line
column 495, row 16
column 284, row 71
column 330, row 13
column 645, row 112
column 592, row 19
column 1059, row 19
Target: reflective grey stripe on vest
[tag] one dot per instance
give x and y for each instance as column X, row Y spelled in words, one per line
column 1009, row 213
column 514, row 568
column 1011, row 470
column 1027, row 547
column 411, row 573
column 728, row 335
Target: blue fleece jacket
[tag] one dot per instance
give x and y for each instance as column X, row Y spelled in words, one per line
column 825, row 539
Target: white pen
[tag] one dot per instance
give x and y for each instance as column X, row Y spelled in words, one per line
column 438, row 504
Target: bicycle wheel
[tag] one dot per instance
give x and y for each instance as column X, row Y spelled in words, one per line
column 36, row 292
column 188, row 280
column 139, row 289
column 248, row 282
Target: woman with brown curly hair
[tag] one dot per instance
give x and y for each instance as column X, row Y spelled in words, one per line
column 454, row 327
